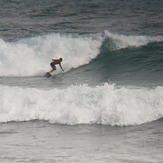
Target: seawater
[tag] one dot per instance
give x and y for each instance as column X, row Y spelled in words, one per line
column 107, row 105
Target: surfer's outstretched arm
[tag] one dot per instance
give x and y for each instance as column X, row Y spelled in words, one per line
column 61, row 67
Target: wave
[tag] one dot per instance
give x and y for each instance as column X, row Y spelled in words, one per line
column 31, row 56
column 130, row 59
column 82, row 104
column 125, row 41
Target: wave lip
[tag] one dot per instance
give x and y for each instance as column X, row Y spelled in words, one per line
column 124, row 41
column 81, row 104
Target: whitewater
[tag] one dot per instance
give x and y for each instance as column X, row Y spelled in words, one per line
column 31, row 56
column 82, row 104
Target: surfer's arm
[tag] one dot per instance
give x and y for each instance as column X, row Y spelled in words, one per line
column 61, row 67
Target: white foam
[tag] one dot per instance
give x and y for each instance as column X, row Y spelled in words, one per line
column 82, row 105
column 124, row 41
column 33, row 55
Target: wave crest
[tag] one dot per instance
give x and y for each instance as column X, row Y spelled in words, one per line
column 124, row 41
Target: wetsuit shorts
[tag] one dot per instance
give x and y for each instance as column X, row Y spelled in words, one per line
column 52, row 64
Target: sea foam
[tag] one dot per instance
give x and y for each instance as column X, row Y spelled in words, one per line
column 82, row 104
column 31, row 56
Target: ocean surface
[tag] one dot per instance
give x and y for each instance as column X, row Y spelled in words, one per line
column 107, row 105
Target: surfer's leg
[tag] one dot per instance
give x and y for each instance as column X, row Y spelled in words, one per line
column 53, row 67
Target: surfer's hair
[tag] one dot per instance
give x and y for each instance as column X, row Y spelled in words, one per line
column 61, row 59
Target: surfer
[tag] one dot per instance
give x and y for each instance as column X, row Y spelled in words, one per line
column 56, row 62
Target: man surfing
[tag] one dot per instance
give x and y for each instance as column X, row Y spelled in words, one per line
column 56, row 62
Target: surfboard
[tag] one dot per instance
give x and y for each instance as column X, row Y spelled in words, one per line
column 48, row 74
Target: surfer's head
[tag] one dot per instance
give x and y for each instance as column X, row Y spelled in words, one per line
column 61, row 59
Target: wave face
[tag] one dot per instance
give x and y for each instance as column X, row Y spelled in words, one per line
column 131, row 59
column 82, row 104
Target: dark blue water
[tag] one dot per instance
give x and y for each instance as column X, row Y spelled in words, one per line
column 107, row 105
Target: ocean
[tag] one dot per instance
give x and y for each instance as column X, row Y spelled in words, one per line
column 107, row 105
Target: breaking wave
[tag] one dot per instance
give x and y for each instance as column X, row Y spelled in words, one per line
column 82, row 104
